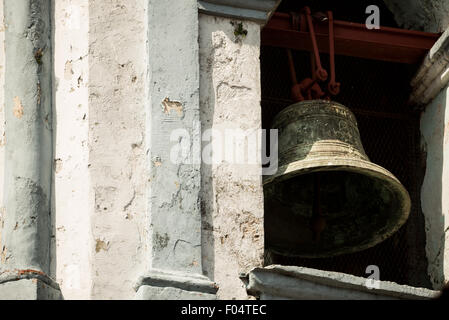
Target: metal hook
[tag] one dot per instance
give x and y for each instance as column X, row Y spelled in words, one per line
column 333, row 86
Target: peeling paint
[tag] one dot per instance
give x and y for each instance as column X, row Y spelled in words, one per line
column 39, row 96
column 128, row 216
column 101, row 245
column 18, row 108
column 3, row 255
column 157, row 162
column 30, row 271
column 38, row 55
column 172, row 105
column 68, row 71
column 161, row 241
column 58, row 165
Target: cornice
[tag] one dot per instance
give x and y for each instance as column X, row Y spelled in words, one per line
column 255, row 10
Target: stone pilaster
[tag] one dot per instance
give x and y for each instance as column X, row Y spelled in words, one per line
column 429, row 93
column 25, row 242
column 176, row 256
column 174, row 262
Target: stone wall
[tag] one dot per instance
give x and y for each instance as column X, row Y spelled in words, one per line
column 2, row 117
column 99, row 174
column 232, row 196
column 103, row 105
column 71, row 263
column 435, row 188
column 117, row 162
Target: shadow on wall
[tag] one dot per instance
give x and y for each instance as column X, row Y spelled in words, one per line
column 53, row 257
column 207, row 110
column 207, row 116
column 434, row 144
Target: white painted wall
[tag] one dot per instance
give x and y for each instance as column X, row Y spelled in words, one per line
column 2, row 116
column 117, row 172
column 232, row 195
column 99, row 179
column 72, row 264
column 435, row 188
column 99, row 198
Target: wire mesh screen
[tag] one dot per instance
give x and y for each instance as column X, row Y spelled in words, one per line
column 377, row 93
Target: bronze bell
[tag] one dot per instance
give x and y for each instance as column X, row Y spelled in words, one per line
column 327, row 198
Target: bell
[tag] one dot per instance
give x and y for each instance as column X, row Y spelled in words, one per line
column 327, row 198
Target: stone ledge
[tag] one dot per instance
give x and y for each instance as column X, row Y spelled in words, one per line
column 255, row 10
column 288, row 282
column 161, row 285
column 433, row 74
column 169, row 293
column 29, row 289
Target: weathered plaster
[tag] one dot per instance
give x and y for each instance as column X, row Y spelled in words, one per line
column 174, row 188
column 72, row 263
column 429, row 93
column 28, row 179
column 126, row 74
column 174, row 215
column 2, row 116
column 28, row 130
column 26, row 220
column 116, row 86
column 435, row 188
column 232, row 196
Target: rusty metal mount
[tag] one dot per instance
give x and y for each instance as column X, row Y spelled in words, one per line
column 309, row 88
column 351, row 39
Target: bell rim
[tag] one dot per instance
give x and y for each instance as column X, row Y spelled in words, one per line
column 301, row 167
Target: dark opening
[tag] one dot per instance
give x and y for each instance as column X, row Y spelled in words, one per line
column 377, row 93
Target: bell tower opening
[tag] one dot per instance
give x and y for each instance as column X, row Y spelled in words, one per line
column 376, row 91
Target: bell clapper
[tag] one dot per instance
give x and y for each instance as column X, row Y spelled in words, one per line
column 318, row 222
